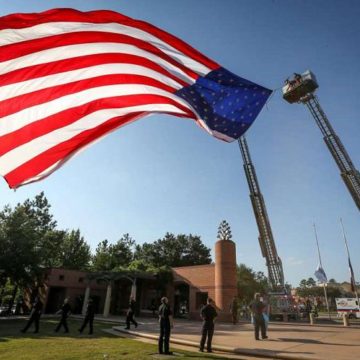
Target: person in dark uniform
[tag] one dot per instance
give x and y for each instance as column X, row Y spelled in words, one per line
column 257, row 308
column 208, row 314
column 166, row 323
column 89, row 317
column 65, row 311
column 35, row 314
column 234, row 310
column 130, row 313
column 153, row 307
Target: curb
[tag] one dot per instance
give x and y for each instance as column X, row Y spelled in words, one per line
column 226, row 349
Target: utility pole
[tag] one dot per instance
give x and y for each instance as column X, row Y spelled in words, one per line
column 321, row 267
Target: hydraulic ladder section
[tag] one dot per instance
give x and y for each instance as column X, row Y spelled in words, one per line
column 349, row 174
column 301, row 90
column 266, row 239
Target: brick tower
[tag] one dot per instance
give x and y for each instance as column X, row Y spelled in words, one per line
column 225, row 271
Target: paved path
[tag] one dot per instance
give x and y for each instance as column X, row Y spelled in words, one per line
column 286, row 341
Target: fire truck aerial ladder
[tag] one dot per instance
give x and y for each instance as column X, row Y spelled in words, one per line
column 301, row 90
column 266, row 239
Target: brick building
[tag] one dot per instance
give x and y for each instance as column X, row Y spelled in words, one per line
column 187, row 290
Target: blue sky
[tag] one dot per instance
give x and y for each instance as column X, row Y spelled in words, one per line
column 164, row 173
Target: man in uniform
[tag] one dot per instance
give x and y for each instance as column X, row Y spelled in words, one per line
column 89, row 317
column 234, row 310
column 208, row 314
column 34, row 315
column 65, row 312
column 257, row 308
column 130, row 314
column 166, row 323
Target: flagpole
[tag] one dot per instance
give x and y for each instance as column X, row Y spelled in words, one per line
column 348, row 254
column 324, row 284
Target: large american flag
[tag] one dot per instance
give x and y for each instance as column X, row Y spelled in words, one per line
column 68, row 78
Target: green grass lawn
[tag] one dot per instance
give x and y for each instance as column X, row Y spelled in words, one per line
column 47, row 345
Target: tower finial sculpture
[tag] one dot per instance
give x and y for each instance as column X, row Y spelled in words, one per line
column 224, row 231
column 225, row 271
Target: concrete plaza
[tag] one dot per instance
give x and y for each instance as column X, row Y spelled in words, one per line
column 286, row 340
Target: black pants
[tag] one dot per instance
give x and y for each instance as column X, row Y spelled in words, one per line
column 35, row 318
column 259, row 323
column 207, row 332
column 62, row 322
column 164, row 338
column 130, row 319
column 87, row 320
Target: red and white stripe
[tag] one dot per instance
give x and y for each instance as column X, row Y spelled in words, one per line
column 68, row 78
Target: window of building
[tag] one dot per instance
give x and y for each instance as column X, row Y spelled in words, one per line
column 61, row 277
column 81, row 280
column 201, row 298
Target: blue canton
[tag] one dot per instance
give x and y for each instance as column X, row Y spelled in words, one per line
column 227, row 103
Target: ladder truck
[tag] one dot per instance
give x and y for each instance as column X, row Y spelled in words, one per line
column 266, row 239
column 301, row 89
column 279, row 301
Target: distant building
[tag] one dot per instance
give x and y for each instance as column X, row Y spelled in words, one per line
column 186, row 287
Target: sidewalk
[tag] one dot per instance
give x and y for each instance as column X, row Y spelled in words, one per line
column 286, row 341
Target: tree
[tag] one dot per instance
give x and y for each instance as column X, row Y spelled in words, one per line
column 38, row 210
column 111, row 256
column 195, row 252
column 122, row 251
column 250, row 282
column 310, row 282
column 52, row 248
column 313, row 291
column 75, row 252
column 101, row 261
column 17, row 237
column 173, row 251
column 29, row 242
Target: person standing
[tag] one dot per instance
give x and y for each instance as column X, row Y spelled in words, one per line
column 35, row 314
column 130, row 313
column 257, row 308
column 65, row 311
column 308, row 308
column 153, row 307
column 208, row 314
column 234, row 310
column 89, row 317
column 166, row 323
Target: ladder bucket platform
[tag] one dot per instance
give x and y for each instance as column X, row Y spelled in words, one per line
column 297, row 88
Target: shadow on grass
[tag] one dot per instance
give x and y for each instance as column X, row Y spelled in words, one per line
column 10, row 330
